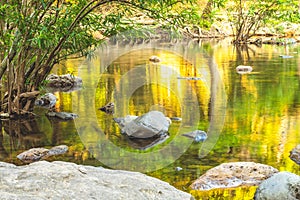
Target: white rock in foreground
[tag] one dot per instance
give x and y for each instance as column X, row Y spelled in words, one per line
column 283, row 186
column 62, row 180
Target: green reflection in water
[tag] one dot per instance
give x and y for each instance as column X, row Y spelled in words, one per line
column 261, row 124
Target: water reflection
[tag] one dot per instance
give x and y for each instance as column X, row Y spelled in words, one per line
column 262, row 111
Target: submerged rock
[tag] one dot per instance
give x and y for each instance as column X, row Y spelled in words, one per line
column 283, row 185
column 62, row 115
column 295, row 154
column 48, row 101
column 197, row 135
column 243, row 69
column 63, row 180
column 108, row 108
column 36, row 154
column 151, row 124
column 236, row 174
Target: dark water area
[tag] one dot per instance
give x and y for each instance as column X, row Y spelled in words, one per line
column 250, row 117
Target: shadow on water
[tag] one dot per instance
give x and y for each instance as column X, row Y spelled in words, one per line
column 257, row 121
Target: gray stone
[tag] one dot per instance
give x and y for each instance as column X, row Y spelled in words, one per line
column 236, row 174
column 48, row 101
column 62, row 115
column 197, row 135
column 62, row 180
column 295, row 154
column 151, row 124
column 122, row 121
column 36, row 154
column 281, row 186
column 243, row 69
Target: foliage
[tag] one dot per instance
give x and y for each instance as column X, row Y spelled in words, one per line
column 36, row 35
column 247, row 17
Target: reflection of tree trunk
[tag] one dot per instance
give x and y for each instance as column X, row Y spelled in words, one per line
column 24, row 133
column 3, row 153
column 217, row 108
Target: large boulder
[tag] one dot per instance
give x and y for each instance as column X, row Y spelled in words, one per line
column 151, row 124
column 281, row 186
column 62, row 180
column 295, row 154
column 236, row 174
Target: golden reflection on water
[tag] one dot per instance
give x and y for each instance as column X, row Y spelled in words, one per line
column 262, row 114
column 137, row 86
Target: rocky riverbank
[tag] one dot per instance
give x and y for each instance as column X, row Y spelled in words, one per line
column 63, row 180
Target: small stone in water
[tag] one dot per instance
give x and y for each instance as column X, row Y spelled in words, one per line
column 178, row 169
column 197, row 135
column 200, row 136
column 154, row 59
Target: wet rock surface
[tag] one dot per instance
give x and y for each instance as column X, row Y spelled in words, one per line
column 36, row 154
column 151, row 124
column 295, row 154
column 283, row 186
column 62, row 180
column 236, row 174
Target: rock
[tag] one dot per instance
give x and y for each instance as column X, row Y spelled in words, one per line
column 33, row 155
column 4, row 115
column 151, row 124
column 108, row 108
column 286, row 56
column 190, row 78
column 154, row 59
column 197, row 135
column 178, row 169
column 236, row 174
column 36, row 154
column 62, row 115
column 62, row 180
column 243, row 69
column 281, row 186
column 48, row 101
column 57, row 150
column 122, row 121
column 66, row 82
column 176, row 119
column 295, row 154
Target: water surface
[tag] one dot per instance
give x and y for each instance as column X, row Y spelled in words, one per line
column 252, row 117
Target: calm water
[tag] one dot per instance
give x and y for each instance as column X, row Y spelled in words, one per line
column 253, row 117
